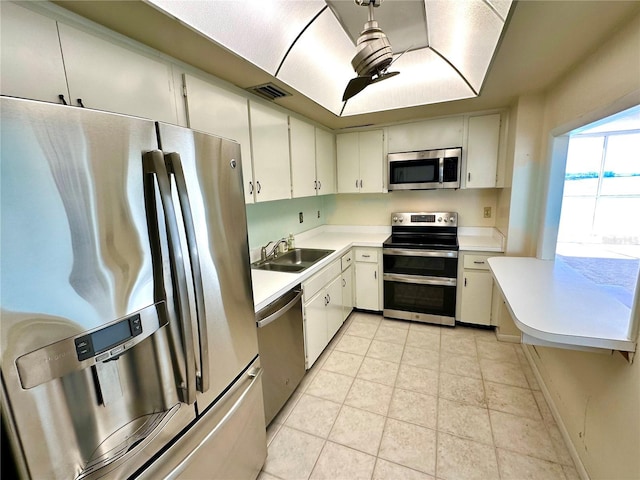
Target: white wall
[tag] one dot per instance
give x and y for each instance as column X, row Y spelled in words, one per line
column 597, row 396
column 376, row 209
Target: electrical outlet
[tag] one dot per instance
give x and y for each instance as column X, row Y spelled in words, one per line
column 301, row 217
column 487, row 212
column 318, row 213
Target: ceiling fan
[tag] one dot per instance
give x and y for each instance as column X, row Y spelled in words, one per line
column 373, row 56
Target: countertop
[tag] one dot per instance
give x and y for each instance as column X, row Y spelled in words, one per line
column 550, row 302
column 268, row 286
column 482, row 239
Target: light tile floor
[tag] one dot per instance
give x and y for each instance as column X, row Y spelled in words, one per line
column 400, row 400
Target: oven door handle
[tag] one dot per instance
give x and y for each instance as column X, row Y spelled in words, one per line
column 394, row 277
column 420, row 253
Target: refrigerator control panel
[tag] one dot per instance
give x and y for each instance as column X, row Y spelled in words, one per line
column 103, row 340
column 76, row 353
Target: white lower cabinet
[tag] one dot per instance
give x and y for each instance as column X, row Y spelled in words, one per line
column 322, row 310
column 347, row 284
column 475, row 289
column 368, row 279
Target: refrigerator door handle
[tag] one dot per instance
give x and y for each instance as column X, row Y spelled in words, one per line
column 153, row 162
column 174, row 164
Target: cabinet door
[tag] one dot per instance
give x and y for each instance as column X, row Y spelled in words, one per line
column 270, row 147
column 367, row 277
column 30, row 55
column 325, row 162
column 347, row 292
column 219, row 112
column 477, row 291
column 302, row 140
column 113, row 78
column 426, row 135
column 315, row 328
column 371, row 161
column 482, row 151
column 334, row 307
column 348, row 162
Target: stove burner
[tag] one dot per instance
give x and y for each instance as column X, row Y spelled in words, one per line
column 423, row 230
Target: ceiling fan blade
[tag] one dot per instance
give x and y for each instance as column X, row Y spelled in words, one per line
column 384, row 76
column 355, row 86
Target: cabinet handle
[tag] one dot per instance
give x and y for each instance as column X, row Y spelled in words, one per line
column 315, row 185
column 344, row 282
column 478, row 263
column 80, row 104
column 250, row 188
column 319, row 185
column 356, row 180
column 64, row 102
column 360, row 183
column 259, row 186
column 375, row 274
column 465, row 281
column 469, row 177
column 366, row 256
column 329, row 299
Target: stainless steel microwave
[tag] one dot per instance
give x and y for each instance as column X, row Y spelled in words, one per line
column 425, row 169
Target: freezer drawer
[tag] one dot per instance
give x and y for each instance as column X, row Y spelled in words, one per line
column 227, row 442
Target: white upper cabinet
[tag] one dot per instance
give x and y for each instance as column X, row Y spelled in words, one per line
column 313, row 159
column 106, row 76
column 482, row 151
column 426, row 135
column 325, row 162
column 217, row 111
column 31, row 59
column 270, row 147
column 360, row 159
column 43, row 59
column 303, row 158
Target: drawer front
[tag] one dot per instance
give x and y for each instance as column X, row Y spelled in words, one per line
column 320, row 279
column 347, row 260
column 369, row 255
column 476, row 262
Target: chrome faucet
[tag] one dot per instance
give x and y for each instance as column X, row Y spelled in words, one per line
column 274, row 250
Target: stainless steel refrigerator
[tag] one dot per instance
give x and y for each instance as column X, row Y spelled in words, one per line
column 128, row 336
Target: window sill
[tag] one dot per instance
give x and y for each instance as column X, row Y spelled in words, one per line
column 554, row 306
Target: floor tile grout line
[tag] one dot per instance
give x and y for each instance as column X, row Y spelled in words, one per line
column 438, row 397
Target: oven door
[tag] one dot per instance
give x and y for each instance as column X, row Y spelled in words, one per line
column 420, row 285
column 425, row 263
column 422, row 299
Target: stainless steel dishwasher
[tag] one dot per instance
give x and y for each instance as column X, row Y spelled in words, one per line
column 281, row 347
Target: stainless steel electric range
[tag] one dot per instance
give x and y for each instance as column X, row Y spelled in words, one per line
column 420, row 267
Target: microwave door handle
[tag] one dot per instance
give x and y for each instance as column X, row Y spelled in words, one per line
column 153, row 163
column 441, row 169
column 174, row 164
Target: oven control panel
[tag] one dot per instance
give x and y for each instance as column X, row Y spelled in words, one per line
column 430, row 219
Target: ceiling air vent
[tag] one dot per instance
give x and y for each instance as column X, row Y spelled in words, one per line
column 269, row 91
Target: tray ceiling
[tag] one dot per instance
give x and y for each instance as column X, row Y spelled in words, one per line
column 309, row 45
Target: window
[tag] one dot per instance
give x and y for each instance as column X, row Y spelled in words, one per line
column 599, row 231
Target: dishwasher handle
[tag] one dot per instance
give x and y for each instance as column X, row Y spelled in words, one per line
column 263, row 322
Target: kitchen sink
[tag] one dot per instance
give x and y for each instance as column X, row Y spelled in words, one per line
column 293, row 261
column 275, row 267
